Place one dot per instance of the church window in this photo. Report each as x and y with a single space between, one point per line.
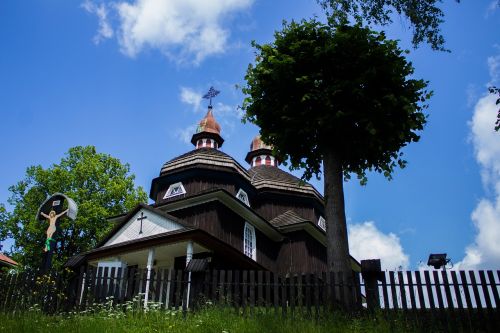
242 196
249 245
174 190
322 223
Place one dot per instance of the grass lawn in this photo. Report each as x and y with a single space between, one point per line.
211 319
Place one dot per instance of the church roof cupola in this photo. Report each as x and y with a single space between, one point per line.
208 131
260 154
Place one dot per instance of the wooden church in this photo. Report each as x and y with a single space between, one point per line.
210 208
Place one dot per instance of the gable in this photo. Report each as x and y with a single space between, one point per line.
152 224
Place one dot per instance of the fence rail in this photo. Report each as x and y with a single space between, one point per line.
248 290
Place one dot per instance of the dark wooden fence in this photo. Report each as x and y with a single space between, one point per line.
311 293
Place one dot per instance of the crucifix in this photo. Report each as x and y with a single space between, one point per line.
211 94
140 219
52 211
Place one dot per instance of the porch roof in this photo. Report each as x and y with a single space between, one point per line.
188 233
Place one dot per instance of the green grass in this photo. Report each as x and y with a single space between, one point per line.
210 319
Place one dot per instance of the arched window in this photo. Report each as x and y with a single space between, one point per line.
249 244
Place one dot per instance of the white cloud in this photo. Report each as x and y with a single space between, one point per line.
186 134
186 31
225 110
367 242
471 93
191 97
484 252
494 68
492 7
105 31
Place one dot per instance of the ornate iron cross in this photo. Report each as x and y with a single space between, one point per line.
211 94
140 219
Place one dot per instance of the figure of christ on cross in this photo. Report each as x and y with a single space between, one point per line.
140 219
52 219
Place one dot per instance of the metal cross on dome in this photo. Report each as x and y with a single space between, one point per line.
211 94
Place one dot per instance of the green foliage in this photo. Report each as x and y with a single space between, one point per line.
425 16
344 89
496 91
100 185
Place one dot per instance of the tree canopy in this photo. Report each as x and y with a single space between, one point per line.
342 96
424 16
100 185
345 89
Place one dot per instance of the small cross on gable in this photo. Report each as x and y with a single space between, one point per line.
142 217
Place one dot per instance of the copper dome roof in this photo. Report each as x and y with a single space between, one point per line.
257 143
208 124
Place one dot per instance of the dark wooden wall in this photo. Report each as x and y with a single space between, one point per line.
270 206
221 222
300 252
195 182
195 186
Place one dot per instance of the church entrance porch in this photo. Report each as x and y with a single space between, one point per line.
171 256
139 272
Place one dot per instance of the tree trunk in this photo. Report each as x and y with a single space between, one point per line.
338 258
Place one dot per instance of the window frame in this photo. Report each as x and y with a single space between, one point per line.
169 194
246 201
322 223
252 247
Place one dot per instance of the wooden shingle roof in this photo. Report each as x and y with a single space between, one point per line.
287 218
206 157
272 177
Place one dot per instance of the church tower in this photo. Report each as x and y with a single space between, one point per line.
260 154
208 132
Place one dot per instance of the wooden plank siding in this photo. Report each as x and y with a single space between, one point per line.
271 205
223 223
300 252
196 181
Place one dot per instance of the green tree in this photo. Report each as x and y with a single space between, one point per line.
339 96
496 91
424 16
100 185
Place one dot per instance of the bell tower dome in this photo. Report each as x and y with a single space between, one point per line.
260 154
208 132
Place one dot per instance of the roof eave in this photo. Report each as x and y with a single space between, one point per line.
229 201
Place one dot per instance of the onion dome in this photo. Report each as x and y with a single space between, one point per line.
208 132
260 154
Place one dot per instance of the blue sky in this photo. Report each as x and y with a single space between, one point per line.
126 76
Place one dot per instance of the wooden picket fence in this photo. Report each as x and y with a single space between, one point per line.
249 291
437 290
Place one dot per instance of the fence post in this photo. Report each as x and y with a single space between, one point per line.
371 271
